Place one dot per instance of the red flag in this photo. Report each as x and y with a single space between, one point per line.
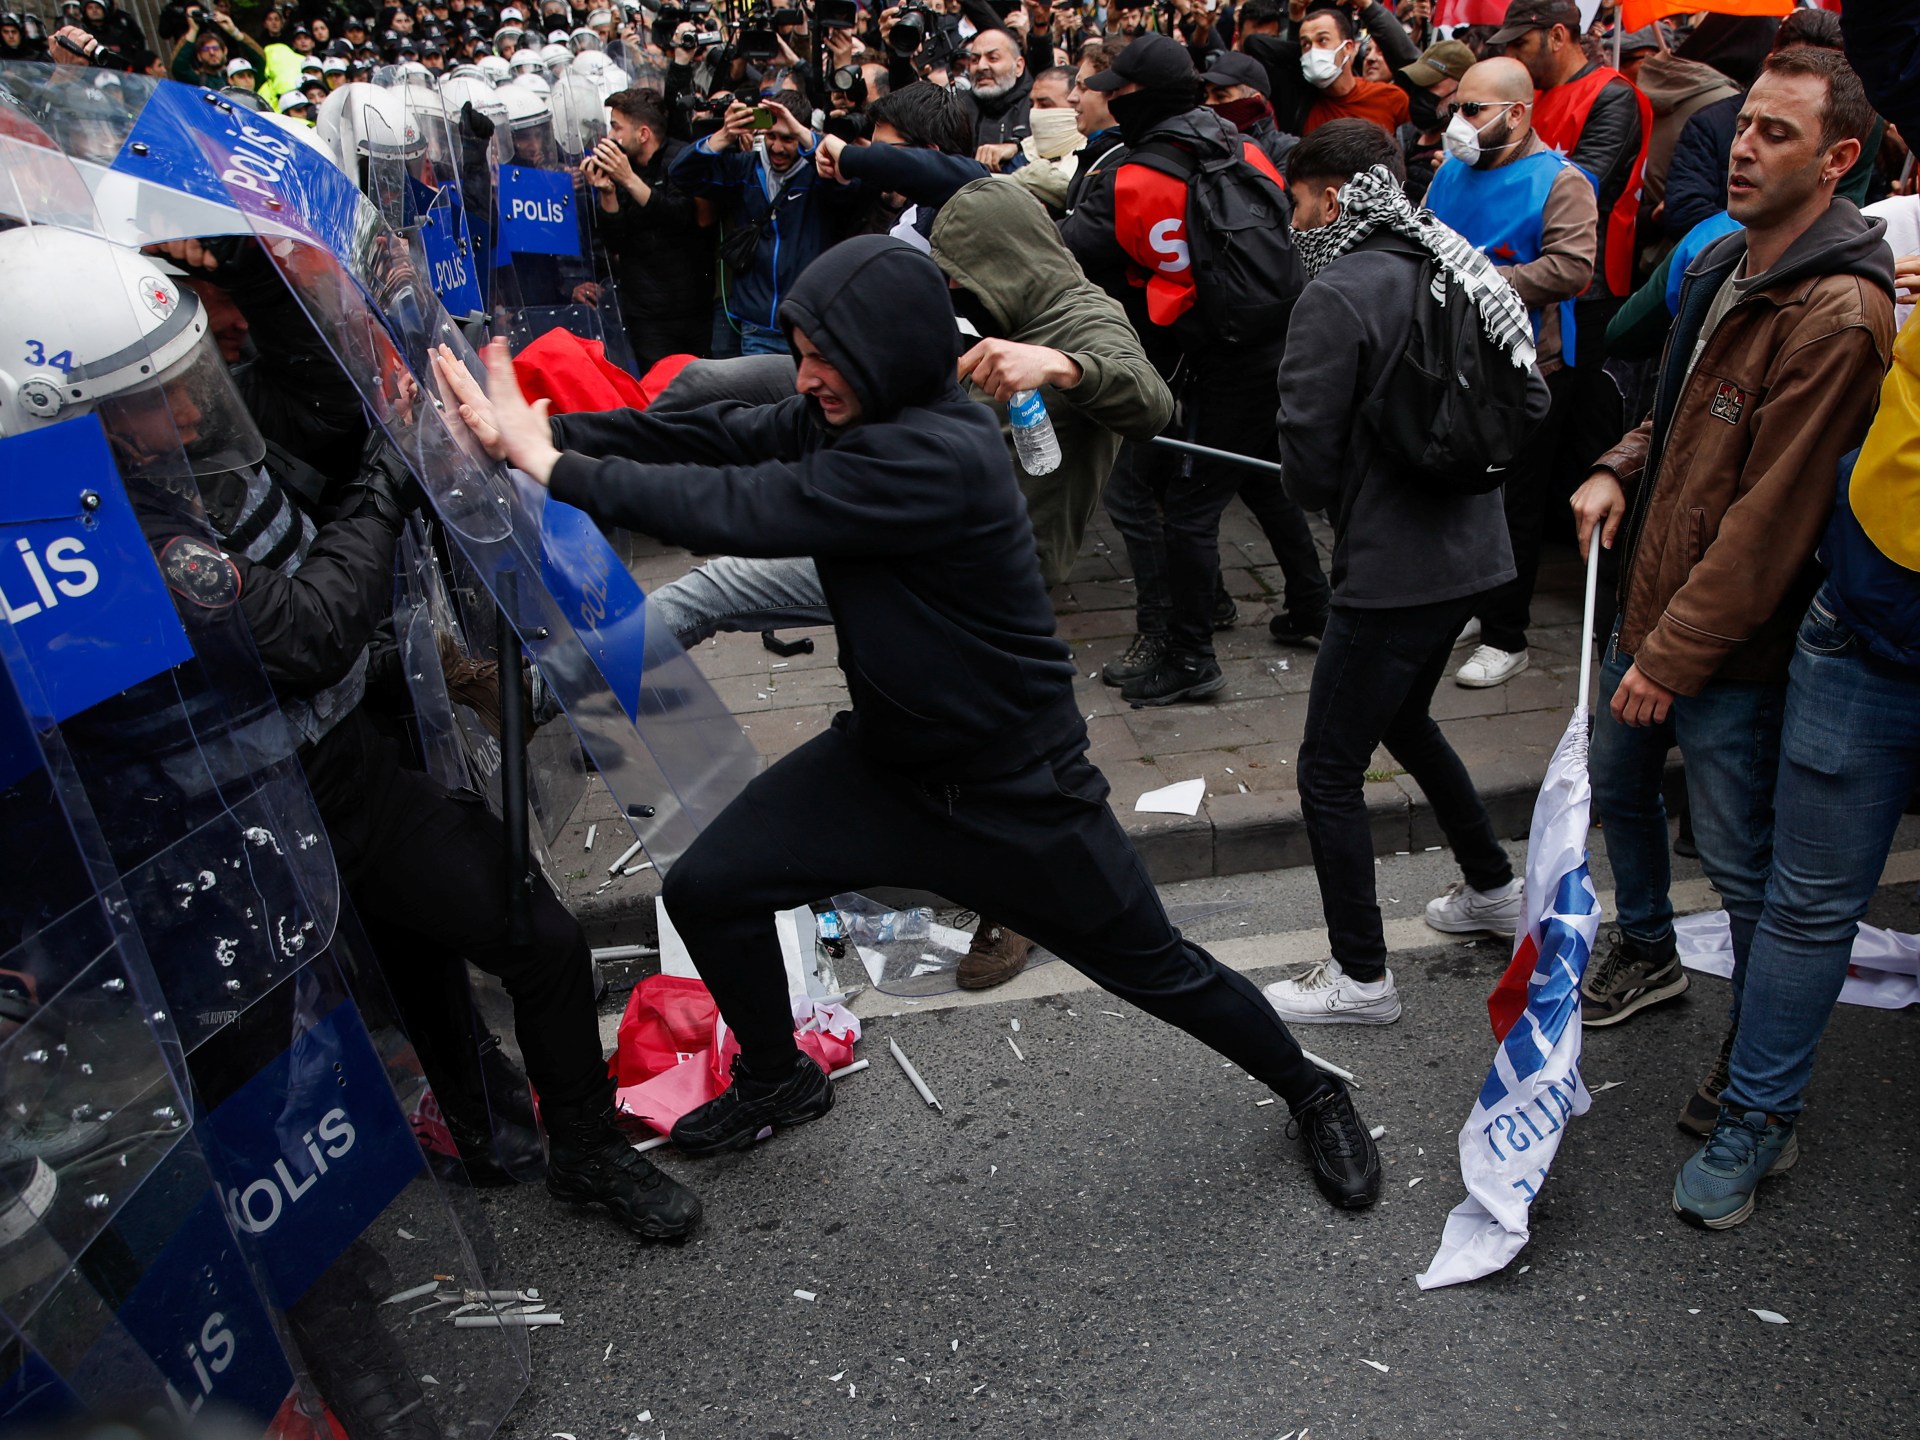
1469 12
1637 14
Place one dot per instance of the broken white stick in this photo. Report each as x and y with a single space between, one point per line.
1329 1067
590 830
625 855
636 869
414 1294
1376 1132
504 1322
854 1069
913 1075
1016 1050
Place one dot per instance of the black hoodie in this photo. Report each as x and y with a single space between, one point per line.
911 513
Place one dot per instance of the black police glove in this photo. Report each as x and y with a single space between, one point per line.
475 125
385 486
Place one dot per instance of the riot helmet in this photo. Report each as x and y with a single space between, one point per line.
531 121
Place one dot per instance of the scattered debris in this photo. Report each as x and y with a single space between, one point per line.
1694 1311
1375 1364
850 1390
636 869
609 1355
845 1070
590 830
1016 1049
1525 1268
1330 1067
1016 1026
1258 1103
978 1388
645 1415
805 1295
428 1380
836 1379
408 1235
1114 1013
1610 1085
414 1294
625 855
1376 1132
956 1344
1181 798
1415 1181
506 1322
1770 1317
912 1074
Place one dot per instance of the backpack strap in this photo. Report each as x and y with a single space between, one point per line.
1166 157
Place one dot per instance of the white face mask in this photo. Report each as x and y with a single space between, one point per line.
1055 132
1462 139
1321 67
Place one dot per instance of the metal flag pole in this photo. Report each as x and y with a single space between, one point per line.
1229 456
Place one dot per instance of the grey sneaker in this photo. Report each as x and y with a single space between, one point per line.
1143 655
1628 976
1715 1189
1464 910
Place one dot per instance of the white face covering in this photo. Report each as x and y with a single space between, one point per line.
1322 67
1055 132
1462 138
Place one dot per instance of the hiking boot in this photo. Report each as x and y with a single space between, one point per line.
1226 612
1701 1112
1300 632
1142 655
1327 995
590 1162
1464 910
1632 974
1714 1190
1174 679
733 1119
1489 666
995 957
1346 1165
496 1153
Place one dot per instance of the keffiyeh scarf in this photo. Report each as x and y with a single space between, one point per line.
1374 200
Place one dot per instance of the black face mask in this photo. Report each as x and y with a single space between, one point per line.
1138 113
1424 111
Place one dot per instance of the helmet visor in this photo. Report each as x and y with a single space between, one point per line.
190 420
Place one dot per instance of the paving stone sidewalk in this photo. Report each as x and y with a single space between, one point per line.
1243 742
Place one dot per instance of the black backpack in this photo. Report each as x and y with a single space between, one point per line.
1246 273
1455 411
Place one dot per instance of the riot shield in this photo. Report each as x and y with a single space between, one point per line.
132 651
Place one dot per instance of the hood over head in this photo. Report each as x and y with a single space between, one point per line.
879 311
996 242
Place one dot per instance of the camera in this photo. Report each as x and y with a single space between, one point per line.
910 28
704 104
835 14
788 16
756 40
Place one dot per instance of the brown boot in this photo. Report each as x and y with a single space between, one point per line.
996 956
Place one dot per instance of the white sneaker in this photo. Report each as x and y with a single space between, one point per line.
1464 910
1469 633
1487 667
1327 995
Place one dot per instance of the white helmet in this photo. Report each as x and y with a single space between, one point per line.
531 123
555 59
579 114
306 135
135 347
412 71
361 121
536 83
524 62
494 68
585 39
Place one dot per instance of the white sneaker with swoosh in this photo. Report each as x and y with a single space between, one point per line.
1327 995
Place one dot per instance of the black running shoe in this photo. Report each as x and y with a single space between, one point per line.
734 1118
1174 679
1299 632
1346 1165
1142 655
590 1162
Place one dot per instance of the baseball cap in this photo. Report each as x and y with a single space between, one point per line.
1634 41
295 100
1230 67
1448 60
334 66
237 67
1153 62
1525 15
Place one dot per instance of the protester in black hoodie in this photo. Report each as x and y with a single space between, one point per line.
962 766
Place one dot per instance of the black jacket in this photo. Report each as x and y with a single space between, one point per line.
912 514
1005 119
1095 157
662 259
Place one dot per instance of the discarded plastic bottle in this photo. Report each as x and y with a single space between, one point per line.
832 937
1033 437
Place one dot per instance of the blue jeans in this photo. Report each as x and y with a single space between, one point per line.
1849 757
1729 737
732 593
759 340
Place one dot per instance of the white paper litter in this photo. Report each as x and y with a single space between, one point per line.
1771 1317
646 1415
1693 1311
1016 1049
1415 1181
1610 1085
428 1380
1181 798
1016 1026
408 1235
1258 1103
1375 1364
956 1347
836 1379
609 1355
805 1295
1376 1132
562 1435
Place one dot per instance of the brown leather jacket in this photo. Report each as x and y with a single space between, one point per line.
1719 544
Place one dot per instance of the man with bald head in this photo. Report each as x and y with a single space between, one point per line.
1535 215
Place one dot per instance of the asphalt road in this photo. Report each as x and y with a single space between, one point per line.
1113 1239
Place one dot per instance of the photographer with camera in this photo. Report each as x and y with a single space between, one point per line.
776 213
700 62
662 256
211 40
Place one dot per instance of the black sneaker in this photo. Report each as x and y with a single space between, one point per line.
1301 632
1175 678
1701 1112
589 1162
1629 976
732 1119
1346 1164
1226 612
1142 655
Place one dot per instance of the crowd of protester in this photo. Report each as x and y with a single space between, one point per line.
1212 225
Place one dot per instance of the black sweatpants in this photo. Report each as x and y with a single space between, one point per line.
427 868
1037 850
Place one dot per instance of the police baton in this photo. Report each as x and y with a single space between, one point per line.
1189 448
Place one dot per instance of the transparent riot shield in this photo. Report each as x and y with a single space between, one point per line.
302 1081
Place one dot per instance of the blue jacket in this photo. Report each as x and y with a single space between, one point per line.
807 219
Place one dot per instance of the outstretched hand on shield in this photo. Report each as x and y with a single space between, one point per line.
507 427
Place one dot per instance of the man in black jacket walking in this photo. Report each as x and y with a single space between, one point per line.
899 487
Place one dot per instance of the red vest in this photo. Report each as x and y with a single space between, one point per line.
1559 115
1150 224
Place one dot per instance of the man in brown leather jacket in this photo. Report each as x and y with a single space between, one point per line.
1784 332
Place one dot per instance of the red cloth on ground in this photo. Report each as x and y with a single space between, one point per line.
575 375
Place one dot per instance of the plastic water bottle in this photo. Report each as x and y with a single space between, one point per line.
1033 438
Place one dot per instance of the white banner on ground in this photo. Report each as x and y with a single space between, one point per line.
1533 1088
1884 973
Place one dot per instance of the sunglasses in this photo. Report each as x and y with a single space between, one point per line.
1472 108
